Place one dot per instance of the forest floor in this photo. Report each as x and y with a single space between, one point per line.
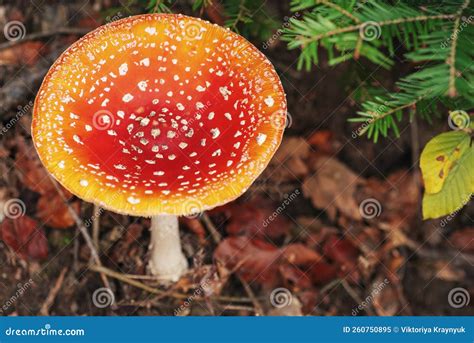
347 237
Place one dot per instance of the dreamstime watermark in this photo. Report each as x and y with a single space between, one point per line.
462 25
370 298
14 30
382 108
453 214
14 208
281 119
202 289
370 208
459 120
22 110
115 17
285 203
279 32
192 30
22 288
370 31
281 297
103 297
192 208
103 120
47 330
459 297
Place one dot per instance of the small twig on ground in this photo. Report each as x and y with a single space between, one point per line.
96 226
238 308
76 246
42 35
162 294
44 311
356 297
83 230
217 238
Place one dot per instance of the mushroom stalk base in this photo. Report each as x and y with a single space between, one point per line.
167 260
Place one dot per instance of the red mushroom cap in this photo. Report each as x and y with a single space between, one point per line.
159 114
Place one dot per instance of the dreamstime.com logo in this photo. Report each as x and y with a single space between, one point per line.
192 208
280 209
103 297
14 30
14 208
370 208
281 297
370 298
192 31
47 330
203 288
22 288
281 119
459 120
370 31
103 120
22 110
459 297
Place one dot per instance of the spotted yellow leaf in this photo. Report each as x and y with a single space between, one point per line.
440 156
447 164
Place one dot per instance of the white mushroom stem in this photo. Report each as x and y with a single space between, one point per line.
167 260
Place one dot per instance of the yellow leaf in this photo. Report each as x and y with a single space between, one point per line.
440 156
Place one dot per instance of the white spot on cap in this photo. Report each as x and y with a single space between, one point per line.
142 85
151 30
127 97
133 200
84 183
224 92
145 62
261 137
269 101
215 133
123 69
77 139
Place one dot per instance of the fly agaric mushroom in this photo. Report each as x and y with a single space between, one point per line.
159 115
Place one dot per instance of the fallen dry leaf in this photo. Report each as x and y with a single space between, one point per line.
324 142
345 254
289 162
25 237
463 239
52 211
32 172
257 260
332 188
26 53
255 218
